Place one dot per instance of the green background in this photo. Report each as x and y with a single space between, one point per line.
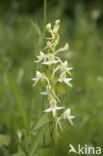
82 28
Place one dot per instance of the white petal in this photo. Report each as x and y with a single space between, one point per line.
67 79
48 110
54 62
46 62
40 57
38 74
60 80
42 54
69 68
50 62
71 117
35 79
67 111
44 93
58 108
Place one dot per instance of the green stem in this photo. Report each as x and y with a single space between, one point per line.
44 20
55 131
43 107
54 135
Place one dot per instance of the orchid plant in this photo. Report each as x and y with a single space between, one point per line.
56 72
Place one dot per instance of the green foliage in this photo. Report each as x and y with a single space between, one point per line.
42 121
4 140
13 86
36 140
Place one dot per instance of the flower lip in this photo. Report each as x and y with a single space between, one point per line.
64 79
38 77
66 115
65 48
53 109
53 106
51 60
38 74
41 57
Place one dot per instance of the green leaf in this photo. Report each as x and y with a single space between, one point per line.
4 140
18 154
14 87
42 121
36 139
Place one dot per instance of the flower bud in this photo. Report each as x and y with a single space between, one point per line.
41 54
48 44
38 74
66 47
48 27
57 22
63 75
19 134
65 64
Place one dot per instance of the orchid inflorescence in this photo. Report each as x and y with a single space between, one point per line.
56 72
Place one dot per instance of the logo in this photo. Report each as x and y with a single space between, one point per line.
86 149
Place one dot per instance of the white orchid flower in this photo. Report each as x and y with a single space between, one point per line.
57 22
48 87
63 67
51 60
44 93
65 48
52 94
38 77
41 57
53 107
66 115
64 79
49 45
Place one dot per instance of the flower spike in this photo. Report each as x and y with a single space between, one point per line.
55 71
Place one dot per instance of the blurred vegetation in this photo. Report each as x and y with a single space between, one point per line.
81 26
